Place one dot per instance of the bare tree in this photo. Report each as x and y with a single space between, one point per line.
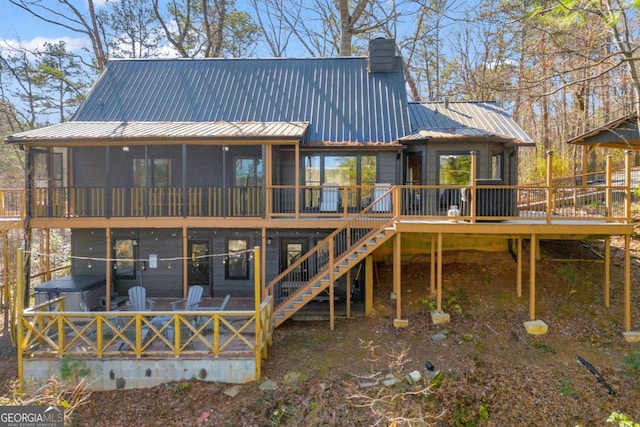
65 14
136 32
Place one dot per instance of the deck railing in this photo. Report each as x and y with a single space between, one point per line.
11 203
427 201
563 199
48 330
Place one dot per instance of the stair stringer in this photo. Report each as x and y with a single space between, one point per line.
322 280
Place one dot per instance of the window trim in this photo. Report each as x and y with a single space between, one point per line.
244 254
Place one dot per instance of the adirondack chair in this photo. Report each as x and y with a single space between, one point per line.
221 307
194 297
138 300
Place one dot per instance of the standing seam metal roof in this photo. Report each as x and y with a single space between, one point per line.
338 97
463 119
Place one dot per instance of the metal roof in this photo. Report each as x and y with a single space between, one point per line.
82 131
449 120
340 100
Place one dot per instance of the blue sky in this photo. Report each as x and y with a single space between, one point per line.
18 25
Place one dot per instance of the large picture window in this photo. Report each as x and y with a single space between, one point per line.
454 169
237 261
342 171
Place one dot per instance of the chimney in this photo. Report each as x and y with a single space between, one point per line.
382 56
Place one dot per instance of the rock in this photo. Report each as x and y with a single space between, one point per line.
438 337
268 386
390 382
367 382
233 391
292 377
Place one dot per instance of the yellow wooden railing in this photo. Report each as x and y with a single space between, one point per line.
47 330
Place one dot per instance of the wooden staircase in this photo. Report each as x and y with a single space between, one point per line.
316 271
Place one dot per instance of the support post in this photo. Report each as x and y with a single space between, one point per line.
398 322
185 262
439 276
432 278
532 277
368 285
397 273
627 283
257 276
550 190
472 181
20 290
607 272
608 203
108 270
627 183
349 294
331 282
519 267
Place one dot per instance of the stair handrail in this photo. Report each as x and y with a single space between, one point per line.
386 217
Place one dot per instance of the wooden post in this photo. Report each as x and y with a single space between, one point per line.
519 268
627 183
331 281
19 308
473 175
297 180
607 271
397 273
439 275
549 186
627 283
349 294
432 277
532 277
263 272
108 270
185 262
368 285
609 182
257 299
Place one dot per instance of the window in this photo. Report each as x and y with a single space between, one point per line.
124 254
237 261
248 172
155 173
496 166
349 170
454 169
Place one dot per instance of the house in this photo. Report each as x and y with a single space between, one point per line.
173 170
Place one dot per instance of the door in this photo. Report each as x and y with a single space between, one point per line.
199 266
413 176
290 251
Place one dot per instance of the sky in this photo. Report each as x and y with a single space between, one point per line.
16 25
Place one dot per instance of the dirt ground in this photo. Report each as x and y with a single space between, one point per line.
491 371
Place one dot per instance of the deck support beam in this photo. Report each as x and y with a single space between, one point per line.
397 280
519 267
432 277
368 285
185 261
108 269
627 283
532 277
607 271
439 275
349 294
